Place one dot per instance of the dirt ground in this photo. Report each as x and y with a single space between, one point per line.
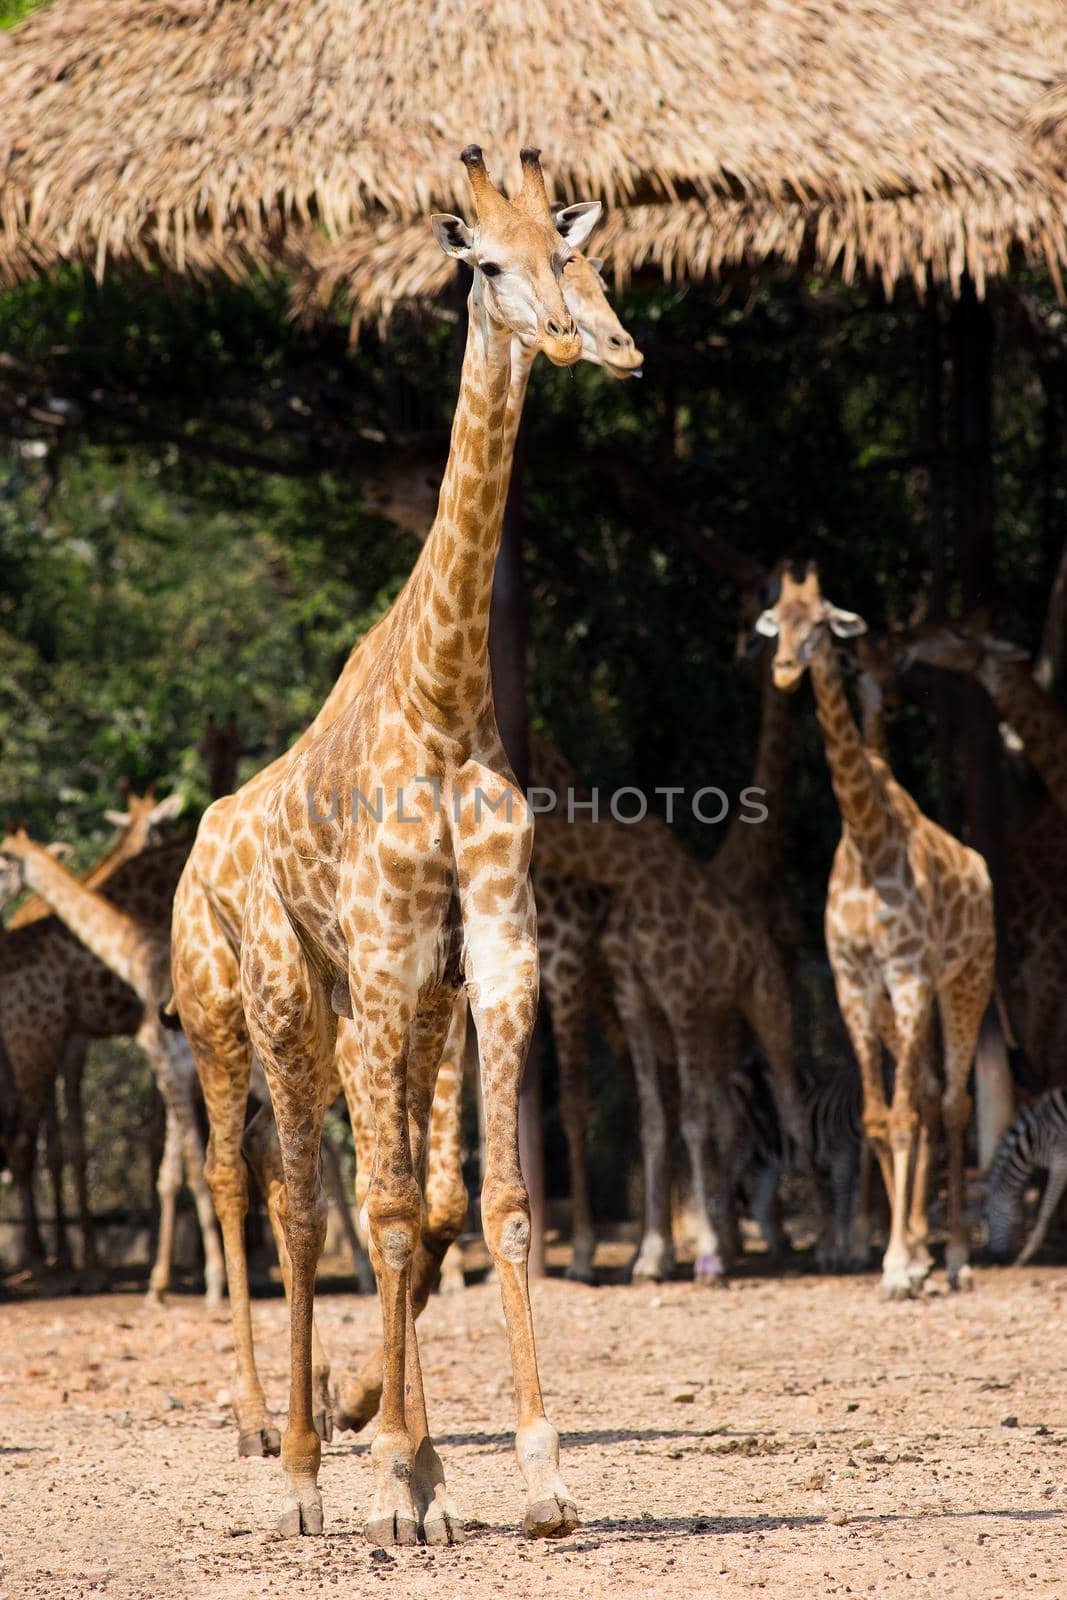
789 1434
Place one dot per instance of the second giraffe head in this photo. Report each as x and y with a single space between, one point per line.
802 620
518 250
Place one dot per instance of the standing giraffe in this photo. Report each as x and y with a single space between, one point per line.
33 950
909 922
208 913
1032 890
381 914
140 956
688 965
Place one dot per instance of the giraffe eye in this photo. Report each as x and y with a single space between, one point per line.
490 269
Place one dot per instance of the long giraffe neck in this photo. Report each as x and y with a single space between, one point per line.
347 684
443 617
1038 720
751 853
114 937
37 907
859 794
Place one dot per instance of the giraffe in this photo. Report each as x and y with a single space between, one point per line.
141 826
424 710
688 965
209 908
140 956
384 926
909 922
1032 890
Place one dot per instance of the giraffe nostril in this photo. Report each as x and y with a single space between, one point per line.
555 328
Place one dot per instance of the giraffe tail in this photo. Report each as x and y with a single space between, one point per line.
1005 1020
168 1016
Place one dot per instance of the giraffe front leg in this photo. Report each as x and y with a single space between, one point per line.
655 1255
503 988
911 1016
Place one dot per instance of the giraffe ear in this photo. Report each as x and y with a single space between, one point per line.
846 624
453 235
118 819
60 850
767 624
576 223
167 809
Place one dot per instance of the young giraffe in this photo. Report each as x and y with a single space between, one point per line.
32 956
208 912
140 956
909 921
382 914
687 966
1032 891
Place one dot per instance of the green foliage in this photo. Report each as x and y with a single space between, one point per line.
12 11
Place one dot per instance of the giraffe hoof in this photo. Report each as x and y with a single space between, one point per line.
301 1515
155 1297
708 1269
442 1524
392 1527
260 1442
652 1269
323 1424
580 1272
961 1279
550 1518
452 1282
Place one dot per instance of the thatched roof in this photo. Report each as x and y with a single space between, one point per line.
207 133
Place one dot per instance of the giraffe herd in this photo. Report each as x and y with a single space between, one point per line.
338 918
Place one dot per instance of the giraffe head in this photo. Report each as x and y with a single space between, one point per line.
141 824
605 342
803 620
14 847
967 646
518 251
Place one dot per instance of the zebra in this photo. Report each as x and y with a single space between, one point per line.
833 1107
1036 1140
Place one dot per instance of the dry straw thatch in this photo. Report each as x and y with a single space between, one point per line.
884 135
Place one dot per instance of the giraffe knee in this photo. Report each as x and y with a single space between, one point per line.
506 1220
394 1214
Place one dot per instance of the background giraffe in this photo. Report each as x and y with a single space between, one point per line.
909 923
54 996
688 966
140 956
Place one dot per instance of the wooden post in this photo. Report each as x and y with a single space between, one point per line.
507 654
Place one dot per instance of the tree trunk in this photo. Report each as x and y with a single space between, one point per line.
971 327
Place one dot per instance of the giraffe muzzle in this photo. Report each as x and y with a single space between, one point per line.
560 340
